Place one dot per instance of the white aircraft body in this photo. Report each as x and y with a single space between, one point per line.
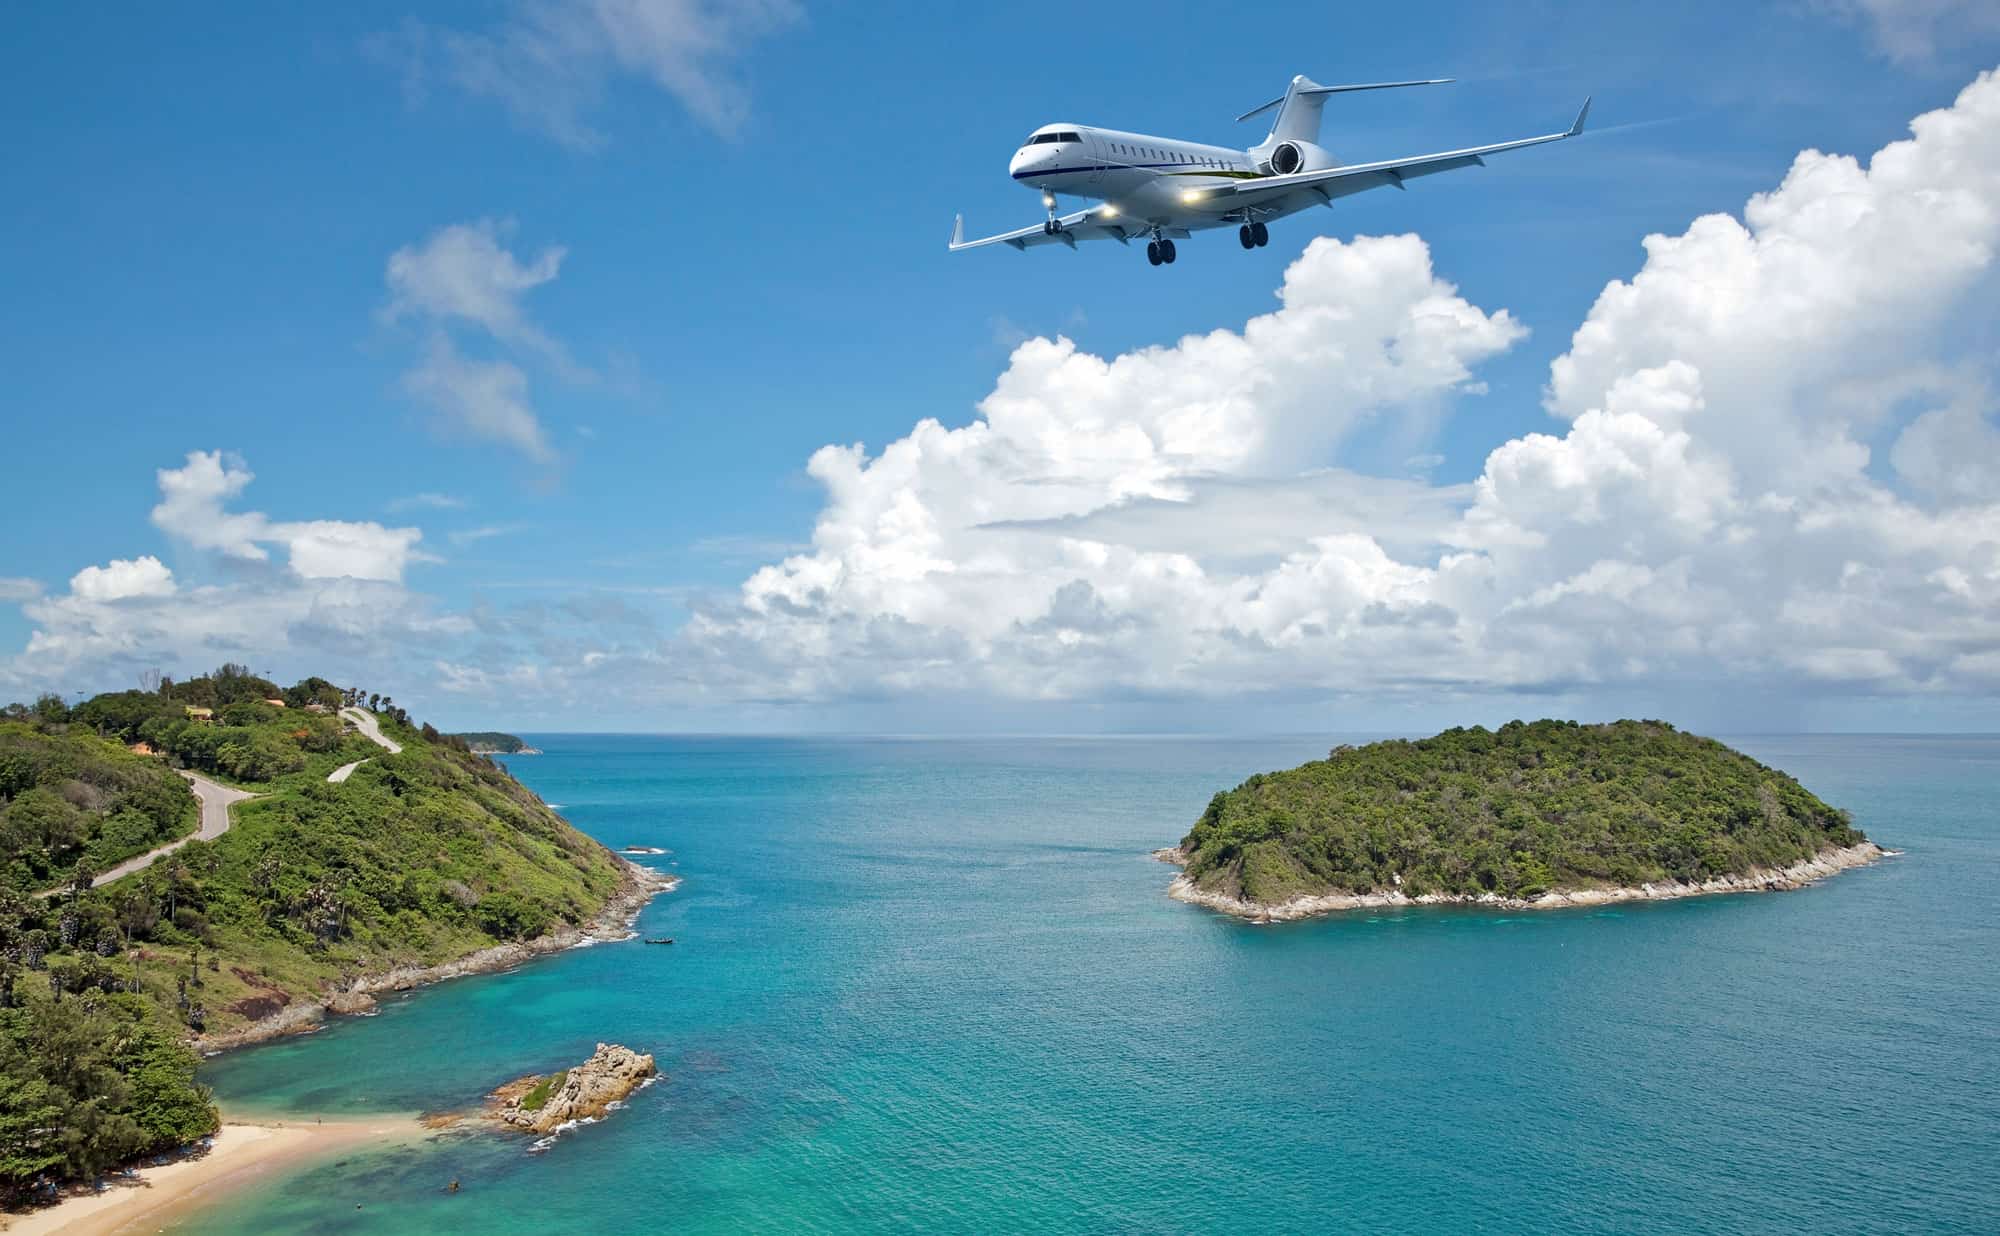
1165 190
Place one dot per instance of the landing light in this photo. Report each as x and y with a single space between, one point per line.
1191 196
1108 211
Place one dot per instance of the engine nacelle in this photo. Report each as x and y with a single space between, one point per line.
1291 156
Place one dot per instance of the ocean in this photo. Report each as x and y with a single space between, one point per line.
936 985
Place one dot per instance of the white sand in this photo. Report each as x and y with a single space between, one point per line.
242 1152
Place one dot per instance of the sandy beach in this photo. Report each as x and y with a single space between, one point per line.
243 1151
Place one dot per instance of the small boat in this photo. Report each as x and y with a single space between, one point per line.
663 940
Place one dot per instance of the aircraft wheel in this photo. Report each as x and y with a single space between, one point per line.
1048 227
1153 257
1244 236
1260 234
1167 252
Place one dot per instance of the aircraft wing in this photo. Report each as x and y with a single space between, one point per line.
1091 224
1343 181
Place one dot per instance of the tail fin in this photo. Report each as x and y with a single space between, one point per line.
1299 115
1300 106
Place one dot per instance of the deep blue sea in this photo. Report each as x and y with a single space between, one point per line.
936 985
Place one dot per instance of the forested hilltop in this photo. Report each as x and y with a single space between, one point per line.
493 742
415 858
1521 812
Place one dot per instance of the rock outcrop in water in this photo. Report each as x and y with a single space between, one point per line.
541 1103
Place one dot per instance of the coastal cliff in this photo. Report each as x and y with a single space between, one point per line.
1531 816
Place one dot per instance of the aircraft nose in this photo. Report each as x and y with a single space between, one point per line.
1018 164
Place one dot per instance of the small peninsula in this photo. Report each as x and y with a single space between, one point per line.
207 863
493 742
1532 815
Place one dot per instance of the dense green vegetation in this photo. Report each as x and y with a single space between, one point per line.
538 1097
1520 811
417 858
76 803
493 742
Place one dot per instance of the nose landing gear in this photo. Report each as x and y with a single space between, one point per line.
1253 235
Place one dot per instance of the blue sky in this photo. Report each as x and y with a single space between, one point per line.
724 228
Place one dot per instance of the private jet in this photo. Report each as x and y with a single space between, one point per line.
1165 190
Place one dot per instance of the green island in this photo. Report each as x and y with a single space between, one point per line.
347 869
1540 814
493 742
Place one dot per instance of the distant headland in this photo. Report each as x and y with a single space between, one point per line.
493 742
1530 816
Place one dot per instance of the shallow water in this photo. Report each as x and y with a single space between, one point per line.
936 985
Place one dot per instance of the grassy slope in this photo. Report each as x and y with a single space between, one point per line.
1520 811
417 858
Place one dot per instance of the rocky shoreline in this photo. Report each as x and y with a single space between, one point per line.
1827 862
613 922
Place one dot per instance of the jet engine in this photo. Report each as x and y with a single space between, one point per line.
1288 157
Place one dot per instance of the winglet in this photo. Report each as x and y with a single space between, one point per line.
1581 116
957 231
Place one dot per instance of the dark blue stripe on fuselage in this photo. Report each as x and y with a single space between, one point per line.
1106 167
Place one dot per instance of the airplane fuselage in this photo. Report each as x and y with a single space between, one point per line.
1140 176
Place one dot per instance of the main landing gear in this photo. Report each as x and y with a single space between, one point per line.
1253 235
1160 251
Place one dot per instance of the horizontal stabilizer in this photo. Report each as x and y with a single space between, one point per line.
1261 109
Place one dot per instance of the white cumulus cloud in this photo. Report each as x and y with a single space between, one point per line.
121 578
192 509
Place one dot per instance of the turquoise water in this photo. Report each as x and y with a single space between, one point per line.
936 985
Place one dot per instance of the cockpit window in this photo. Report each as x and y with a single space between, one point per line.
1043 138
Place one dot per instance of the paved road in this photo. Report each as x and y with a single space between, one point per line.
216 800
370 729
365 722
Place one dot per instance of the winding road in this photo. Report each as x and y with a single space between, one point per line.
216 800
364 721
